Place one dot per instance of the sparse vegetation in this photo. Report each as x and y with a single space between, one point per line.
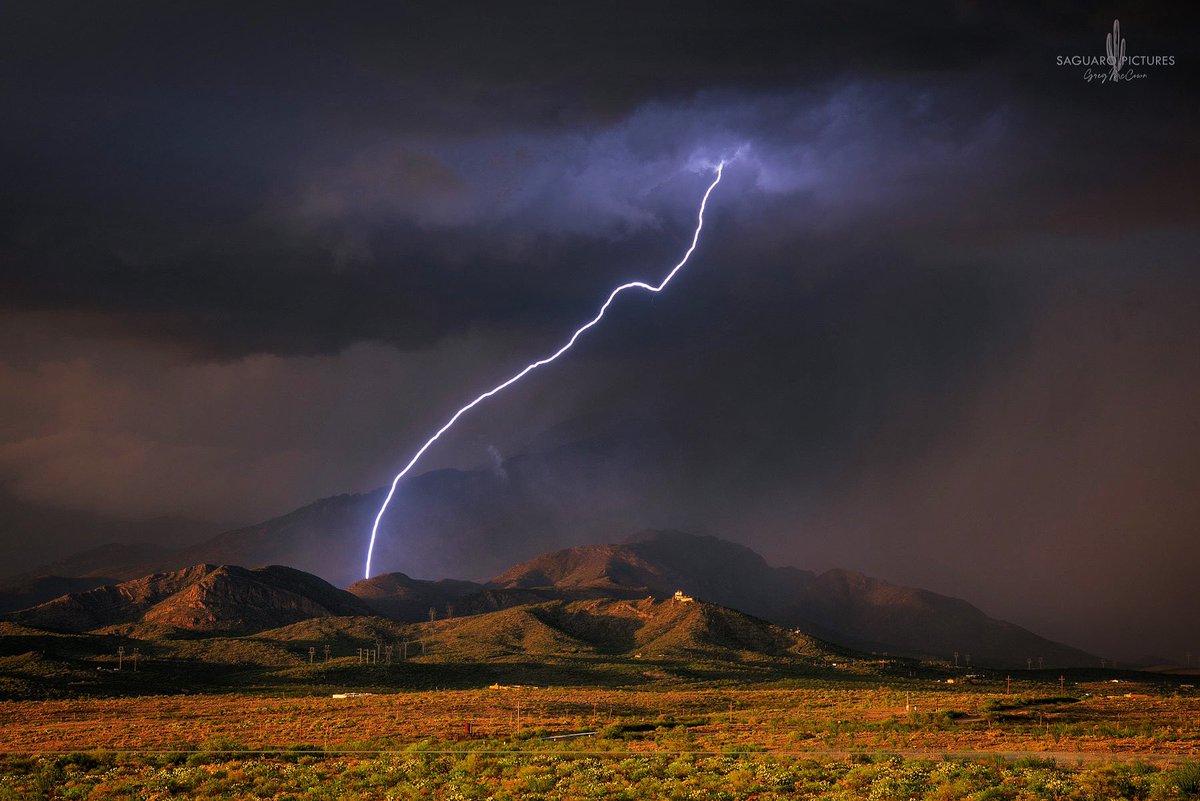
251 718
472 774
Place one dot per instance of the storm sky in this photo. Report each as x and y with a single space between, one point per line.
942 326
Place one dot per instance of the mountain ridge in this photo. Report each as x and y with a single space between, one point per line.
477 518
467 523
840 605
201 599
837 605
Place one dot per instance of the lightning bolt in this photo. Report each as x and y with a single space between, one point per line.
543 362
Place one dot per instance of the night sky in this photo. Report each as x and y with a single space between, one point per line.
942 327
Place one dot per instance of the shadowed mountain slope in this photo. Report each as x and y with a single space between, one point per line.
838 605
27 592
397 596
647 627
201 599
463 523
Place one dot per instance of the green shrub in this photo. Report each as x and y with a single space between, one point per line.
1187 778
47 778
294 753
612 731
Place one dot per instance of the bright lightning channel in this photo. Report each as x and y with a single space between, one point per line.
542 362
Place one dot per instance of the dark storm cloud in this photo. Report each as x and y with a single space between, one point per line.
233 180
413 239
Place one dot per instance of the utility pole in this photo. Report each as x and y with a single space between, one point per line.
404 650
120 656
1008 685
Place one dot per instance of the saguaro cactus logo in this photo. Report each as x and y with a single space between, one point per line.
1116 66
1115 44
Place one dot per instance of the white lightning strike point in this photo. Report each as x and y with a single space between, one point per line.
542 362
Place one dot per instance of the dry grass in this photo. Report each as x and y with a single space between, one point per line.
831 719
